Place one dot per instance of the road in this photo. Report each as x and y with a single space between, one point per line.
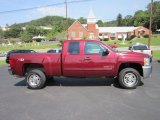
79 99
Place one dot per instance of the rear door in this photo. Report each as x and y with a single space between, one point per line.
72 59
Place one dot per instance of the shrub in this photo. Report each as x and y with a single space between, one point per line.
139 36
146 36
130 42
85 37
60 42
131 37
112 38
100 39
105 39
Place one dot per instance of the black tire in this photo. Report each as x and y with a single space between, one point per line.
131 81
36 79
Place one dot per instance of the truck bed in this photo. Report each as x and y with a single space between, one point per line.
51 63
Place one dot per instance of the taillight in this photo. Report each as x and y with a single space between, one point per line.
11 63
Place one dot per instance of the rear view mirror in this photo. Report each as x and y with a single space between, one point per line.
105 53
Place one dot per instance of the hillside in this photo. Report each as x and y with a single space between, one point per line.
58 20
47 21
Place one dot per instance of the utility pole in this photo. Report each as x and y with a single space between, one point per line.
66 19
150 24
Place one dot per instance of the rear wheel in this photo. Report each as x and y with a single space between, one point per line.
35 79
129 78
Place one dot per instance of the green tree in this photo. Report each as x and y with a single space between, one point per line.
110 23
100 23
82 20
119 20
13 32
25 36
52 33
32 30
128 20
140 18
156 15
1 34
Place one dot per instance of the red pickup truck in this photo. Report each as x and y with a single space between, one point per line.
82 58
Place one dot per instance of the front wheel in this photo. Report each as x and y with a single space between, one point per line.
129 78
35 79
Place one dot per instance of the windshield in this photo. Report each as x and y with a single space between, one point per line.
112 49
140 47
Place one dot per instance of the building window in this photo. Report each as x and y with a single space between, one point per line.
73 34
80 34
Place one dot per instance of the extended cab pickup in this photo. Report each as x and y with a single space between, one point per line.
82 58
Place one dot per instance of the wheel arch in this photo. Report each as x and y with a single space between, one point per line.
135 66
30 66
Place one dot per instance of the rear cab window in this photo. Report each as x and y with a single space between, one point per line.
74 48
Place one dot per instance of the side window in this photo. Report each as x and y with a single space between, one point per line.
93 48
74 48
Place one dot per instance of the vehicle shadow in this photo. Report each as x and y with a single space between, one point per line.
21 83
84 82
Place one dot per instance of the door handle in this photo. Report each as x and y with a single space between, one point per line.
87 58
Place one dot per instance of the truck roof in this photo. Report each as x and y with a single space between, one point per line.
79 40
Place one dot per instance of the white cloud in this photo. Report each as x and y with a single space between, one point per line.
44 11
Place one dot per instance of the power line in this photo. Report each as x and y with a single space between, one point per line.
32 8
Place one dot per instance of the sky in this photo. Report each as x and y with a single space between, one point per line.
105 10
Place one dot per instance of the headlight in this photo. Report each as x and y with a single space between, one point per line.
146 61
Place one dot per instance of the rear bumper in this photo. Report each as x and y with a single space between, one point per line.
10 71
147 70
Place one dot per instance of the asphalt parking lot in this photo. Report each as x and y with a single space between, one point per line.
79 99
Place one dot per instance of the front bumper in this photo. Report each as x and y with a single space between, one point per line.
147 70
10 71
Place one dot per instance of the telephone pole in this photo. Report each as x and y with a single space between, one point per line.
66 18
150 24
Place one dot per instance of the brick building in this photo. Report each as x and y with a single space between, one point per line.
91 30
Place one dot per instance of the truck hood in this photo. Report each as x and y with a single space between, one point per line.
132 54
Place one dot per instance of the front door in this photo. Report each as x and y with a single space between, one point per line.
94 64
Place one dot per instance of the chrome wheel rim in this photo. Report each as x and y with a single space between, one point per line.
130 79
34 80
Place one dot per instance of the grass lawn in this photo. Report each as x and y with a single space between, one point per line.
28 46
2 62
156 54
155 41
